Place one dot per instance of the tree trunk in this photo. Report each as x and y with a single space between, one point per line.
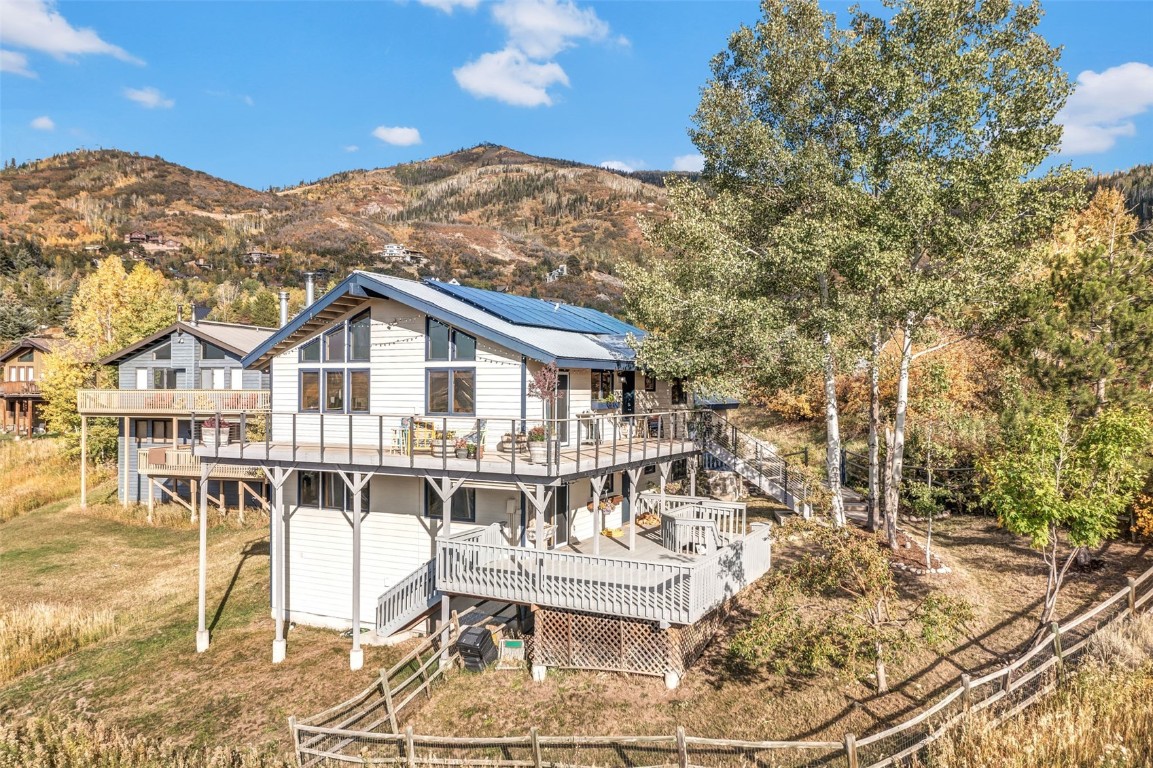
896 446
874 433
833 432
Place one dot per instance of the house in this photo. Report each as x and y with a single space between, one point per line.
405 475
255 257
398 253
22 367
165 381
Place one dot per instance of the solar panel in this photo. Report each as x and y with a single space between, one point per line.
537 313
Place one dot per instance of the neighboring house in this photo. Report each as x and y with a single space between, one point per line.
376 385
22 367
186 368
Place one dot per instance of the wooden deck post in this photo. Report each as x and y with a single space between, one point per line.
127 457
83 462
151 497
598 485
276 478
634 476
355 485
202 581
444 488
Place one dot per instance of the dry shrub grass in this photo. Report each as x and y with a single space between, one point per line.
1102 717
36 473
176 517
33 635
59 743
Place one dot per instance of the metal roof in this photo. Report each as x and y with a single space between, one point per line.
237 339
523 310
565 347
45 344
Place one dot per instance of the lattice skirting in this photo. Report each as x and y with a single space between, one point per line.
573 640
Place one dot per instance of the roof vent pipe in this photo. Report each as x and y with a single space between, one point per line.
194 320
283 308
309 289
179 313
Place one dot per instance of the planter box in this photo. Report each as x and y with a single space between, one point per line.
208 437
605 406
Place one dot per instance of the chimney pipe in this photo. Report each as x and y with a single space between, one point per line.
283 308
194 320
179 313
309 289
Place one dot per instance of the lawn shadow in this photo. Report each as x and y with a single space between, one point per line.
254 548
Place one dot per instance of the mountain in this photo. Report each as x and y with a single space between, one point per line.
488 215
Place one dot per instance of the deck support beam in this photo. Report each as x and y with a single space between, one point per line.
633 477
598 486
277 476
202 581
539 497
445 487
127 450
83 462
355 485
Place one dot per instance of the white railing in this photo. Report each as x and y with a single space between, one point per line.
676 593
728 516
171 401
181 462
407 599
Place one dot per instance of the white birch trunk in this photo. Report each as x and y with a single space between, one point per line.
897 444
874 433
833 430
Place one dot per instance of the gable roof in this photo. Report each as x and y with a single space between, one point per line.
542 330
237 339
41 343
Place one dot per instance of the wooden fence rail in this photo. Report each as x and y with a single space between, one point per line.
339 736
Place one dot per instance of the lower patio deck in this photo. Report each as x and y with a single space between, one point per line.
649 582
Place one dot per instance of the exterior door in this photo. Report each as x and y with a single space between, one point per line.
562 407
561 514
628 393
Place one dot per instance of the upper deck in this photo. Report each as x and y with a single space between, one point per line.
170 402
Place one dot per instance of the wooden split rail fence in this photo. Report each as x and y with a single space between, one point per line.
366 729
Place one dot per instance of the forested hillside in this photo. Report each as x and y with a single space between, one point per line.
1137 186
487 215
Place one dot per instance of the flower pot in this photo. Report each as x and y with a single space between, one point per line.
208 437
439 449
462 453
538 451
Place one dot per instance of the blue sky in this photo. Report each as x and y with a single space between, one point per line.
272 92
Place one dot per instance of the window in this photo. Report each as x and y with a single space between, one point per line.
650 383
452 391
327 490
602 385
163 378
334 391
161 429
610 484
163 352
358 391
359 338
677 392
447 343
334 345
463 504
310 352
26 357
212 352
310 390
140 428
212 378
236 378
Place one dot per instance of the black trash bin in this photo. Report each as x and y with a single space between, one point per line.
477 650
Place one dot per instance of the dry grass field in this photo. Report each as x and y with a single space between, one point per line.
117 671
35 473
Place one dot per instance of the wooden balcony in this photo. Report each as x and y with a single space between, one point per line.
649 583
181 462
497 448
19 389
170 402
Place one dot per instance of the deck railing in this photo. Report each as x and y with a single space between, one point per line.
171 401
407 599
729 516
24 388
586 441
181 462
676 593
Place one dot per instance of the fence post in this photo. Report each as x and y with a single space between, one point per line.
1132 596
966 692
851 750
409 747
295 738
682 748
534 742
1055 628
1007 681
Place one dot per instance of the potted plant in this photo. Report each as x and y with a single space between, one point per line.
215 431
475 450
538 445
606 403
461 446
443 443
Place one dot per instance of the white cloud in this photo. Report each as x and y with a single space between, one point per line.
149 98
1098 112
537 30
38 26
544 28
510 77
693 163
448 6
351 148
43 123
397 136
248 100
15 63
617 165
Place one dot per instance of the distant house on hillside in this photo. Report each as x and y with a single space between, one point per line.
152 242
256 257
21 368
396 252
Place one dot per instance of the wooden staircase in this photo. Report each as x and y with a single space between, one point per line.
757 463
